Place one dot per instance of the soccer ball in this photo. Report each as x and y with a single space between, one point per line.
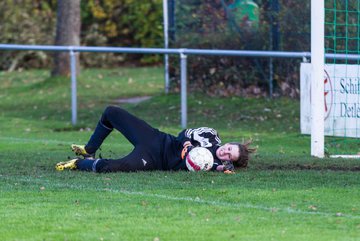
199 159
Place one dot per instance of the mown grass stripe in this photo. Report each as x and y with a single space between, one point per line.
29 140
173 198
41 140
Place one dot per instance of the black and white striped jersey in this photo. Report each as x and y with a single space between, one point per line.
204 137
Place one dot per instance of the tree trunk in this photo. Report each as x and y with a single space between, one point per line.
67 33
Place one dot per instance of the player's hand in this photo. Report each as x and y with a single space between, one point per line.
187 148
220 168
228 166
187 143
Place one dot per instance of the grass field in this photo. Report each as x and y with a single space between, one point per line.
284 194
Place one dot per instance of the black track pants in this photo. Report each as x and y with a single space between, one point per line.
148 142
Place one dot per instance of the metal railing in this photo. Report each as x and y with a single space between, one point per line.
182 52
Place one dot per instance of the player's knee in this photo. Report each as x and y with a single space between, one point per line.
109 110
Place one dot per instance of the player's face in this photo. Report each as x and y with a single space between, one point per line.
228 152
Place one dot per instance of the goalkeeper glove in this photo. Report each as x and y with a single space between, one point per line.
185 151
228 166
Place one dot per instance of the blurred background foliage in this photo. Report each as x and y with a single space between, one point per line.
280 25
125 23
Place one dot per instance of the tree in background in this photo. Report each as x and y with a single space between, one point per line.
67 33
125 23
26 22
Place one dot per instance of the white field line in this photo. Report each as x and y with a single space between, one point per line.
166 197
187 199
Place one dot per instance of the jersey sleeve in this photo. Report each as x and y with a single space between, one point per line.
182 137
203 136
215 165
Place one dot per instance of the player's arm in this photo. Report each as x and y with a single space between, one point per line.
220 167
183 137
205 136
217 166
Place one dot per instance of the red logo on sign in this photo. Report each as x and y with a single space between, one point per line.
328 95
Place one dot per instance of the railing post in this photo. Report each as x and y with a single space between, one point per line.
166 45
271 74
73 87
183 61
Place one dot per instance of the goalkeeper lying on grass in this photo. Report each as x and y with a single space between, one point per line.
154 150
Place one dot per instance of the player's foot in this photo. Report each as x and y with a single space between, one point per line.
79 150
71 165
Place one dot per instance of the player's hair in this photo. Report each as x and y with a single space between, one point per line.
244 153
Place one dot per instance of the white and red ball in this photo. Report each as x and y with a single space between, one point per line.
199 159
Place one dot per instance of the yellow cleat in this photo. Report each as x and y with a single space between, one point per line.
79 150
71 165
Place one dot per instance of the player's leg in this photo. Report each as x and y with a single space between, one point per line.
76 164
137 160
97 138
71 165
134 129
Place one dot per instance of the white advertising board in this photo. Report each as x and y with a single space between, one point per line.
341 99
